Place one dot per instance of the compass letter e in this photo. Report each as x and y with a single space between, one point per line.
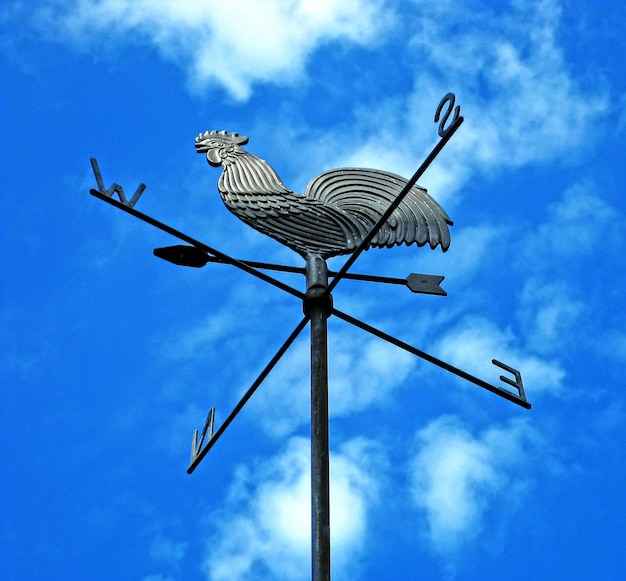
517 383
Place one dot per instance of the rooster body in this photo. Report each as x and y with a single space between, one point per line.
337 211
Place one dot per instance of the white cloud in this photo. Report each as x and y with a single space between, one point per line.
264 532
202 339
575 227
284 405
457 477
234 44
476 341
559 303
521 99
363 372
473 245
167 550
550 314
521 102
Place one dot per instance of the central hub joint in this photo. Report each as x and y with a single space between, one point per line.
317 295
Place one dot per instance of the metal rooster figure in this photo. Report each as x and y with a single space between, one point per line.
339 208
342 212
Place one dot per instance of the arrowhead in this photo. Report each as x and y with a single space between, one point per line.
182 255
425 284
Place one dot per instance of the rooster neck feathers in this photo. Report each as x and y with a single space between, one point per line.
243 173
337 211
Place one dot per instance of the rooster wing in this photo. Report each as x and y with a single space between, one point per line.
306 225
366 194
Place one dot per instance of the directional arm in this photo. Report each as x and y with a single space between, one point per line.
104 196
518 398
197 451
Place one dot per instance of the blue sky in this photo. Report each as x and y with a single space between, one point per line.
111 357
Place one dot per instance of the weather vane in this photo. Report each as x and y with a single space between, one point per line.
342 212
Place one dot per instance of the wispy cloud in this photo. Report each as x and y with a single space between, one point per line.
457 477
554 257
473 245
214 42
521 101
264 531
525 105
576 226
520 98
165 549
473 343
363 372
550 313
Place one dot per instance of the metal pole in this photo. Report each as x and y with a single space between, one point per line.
318 306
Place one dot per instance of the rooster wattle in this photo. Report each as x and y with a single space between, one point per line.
337 210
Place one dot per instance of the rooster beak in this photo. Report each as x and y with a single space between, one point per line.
201 147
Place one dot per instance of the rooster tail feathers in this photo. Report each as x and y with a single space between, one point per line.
366 194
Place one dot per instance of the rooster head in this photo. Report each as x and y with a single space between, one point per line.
218 145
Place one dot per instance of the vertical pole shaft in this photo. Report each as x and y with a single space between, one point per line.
317 307
320 503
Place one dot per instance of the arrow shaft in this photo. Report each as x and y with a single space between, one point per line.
300 270
417 283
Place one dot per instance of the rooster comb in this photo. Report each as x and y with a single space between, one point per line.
224 136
